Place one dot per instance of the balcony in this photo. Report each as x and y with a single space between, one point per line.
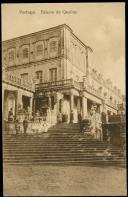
62 84
70 83
94 91
111 104
18 82
99 94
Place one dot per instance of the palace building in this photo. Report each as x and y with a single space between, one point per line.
49 72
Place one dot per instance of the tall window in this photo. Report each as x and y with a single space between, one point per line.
39 49
25 53
24 76
53 74
39 76
53 46
11 56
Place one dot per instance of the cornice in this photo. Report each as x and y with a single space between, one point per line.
48 30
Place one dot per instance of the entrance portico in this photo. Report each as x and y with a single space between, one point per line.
12 98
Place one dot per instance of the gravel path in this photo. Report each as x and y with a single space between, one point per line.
64 180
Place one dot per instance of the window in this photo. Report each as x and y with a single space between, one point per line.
39 49
53 46
25 53
24 77
39 76
53 74
11 56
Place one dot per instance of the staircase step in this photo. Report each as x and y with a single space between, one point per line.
61 145
121 164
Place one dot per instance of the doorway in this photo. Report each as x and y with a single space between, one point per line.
26 102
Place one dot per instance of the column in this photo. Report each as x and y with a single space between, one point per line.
101 108
57 103
19 98
84 107
71 108
16 103
78 105
31 102
34 103
71 102
49 115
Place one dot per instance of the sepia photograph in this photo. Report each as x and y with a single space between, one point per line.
63 99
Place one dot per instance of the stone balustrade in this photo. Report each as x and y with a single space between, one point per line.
16 81
110 103
100 95
68 83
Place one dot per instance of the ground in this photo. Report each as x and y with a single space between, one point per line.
64 180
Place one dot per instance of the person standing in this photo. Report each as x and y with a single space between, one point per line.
80 121
25 125
59 118
10 115
17 126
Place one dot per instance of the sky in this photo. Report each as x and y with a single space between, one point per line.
99 25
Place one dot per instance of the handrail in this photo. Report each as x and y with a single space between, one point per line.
54 83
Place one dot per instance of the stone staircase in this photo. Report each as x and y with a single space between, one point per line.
62 145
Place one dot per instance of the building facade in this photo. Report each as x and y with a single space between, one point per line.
49 72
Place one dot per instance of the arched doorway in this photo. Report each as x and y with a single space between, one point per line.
9 102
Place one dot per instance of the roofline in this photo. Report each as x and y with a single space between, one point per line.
31 34
43 31
86 46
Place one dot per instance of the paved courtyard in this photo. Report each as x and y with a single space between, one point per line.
64 180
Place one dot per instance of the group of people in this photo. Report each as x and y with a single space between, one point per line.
28 124
37 126
92 125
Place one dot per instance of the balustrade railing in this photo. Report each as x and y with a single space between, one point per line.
99 94
71 83
93 91
51 84
17 81
108 102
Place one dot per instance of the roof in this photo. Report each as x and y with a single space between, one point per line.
44 31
